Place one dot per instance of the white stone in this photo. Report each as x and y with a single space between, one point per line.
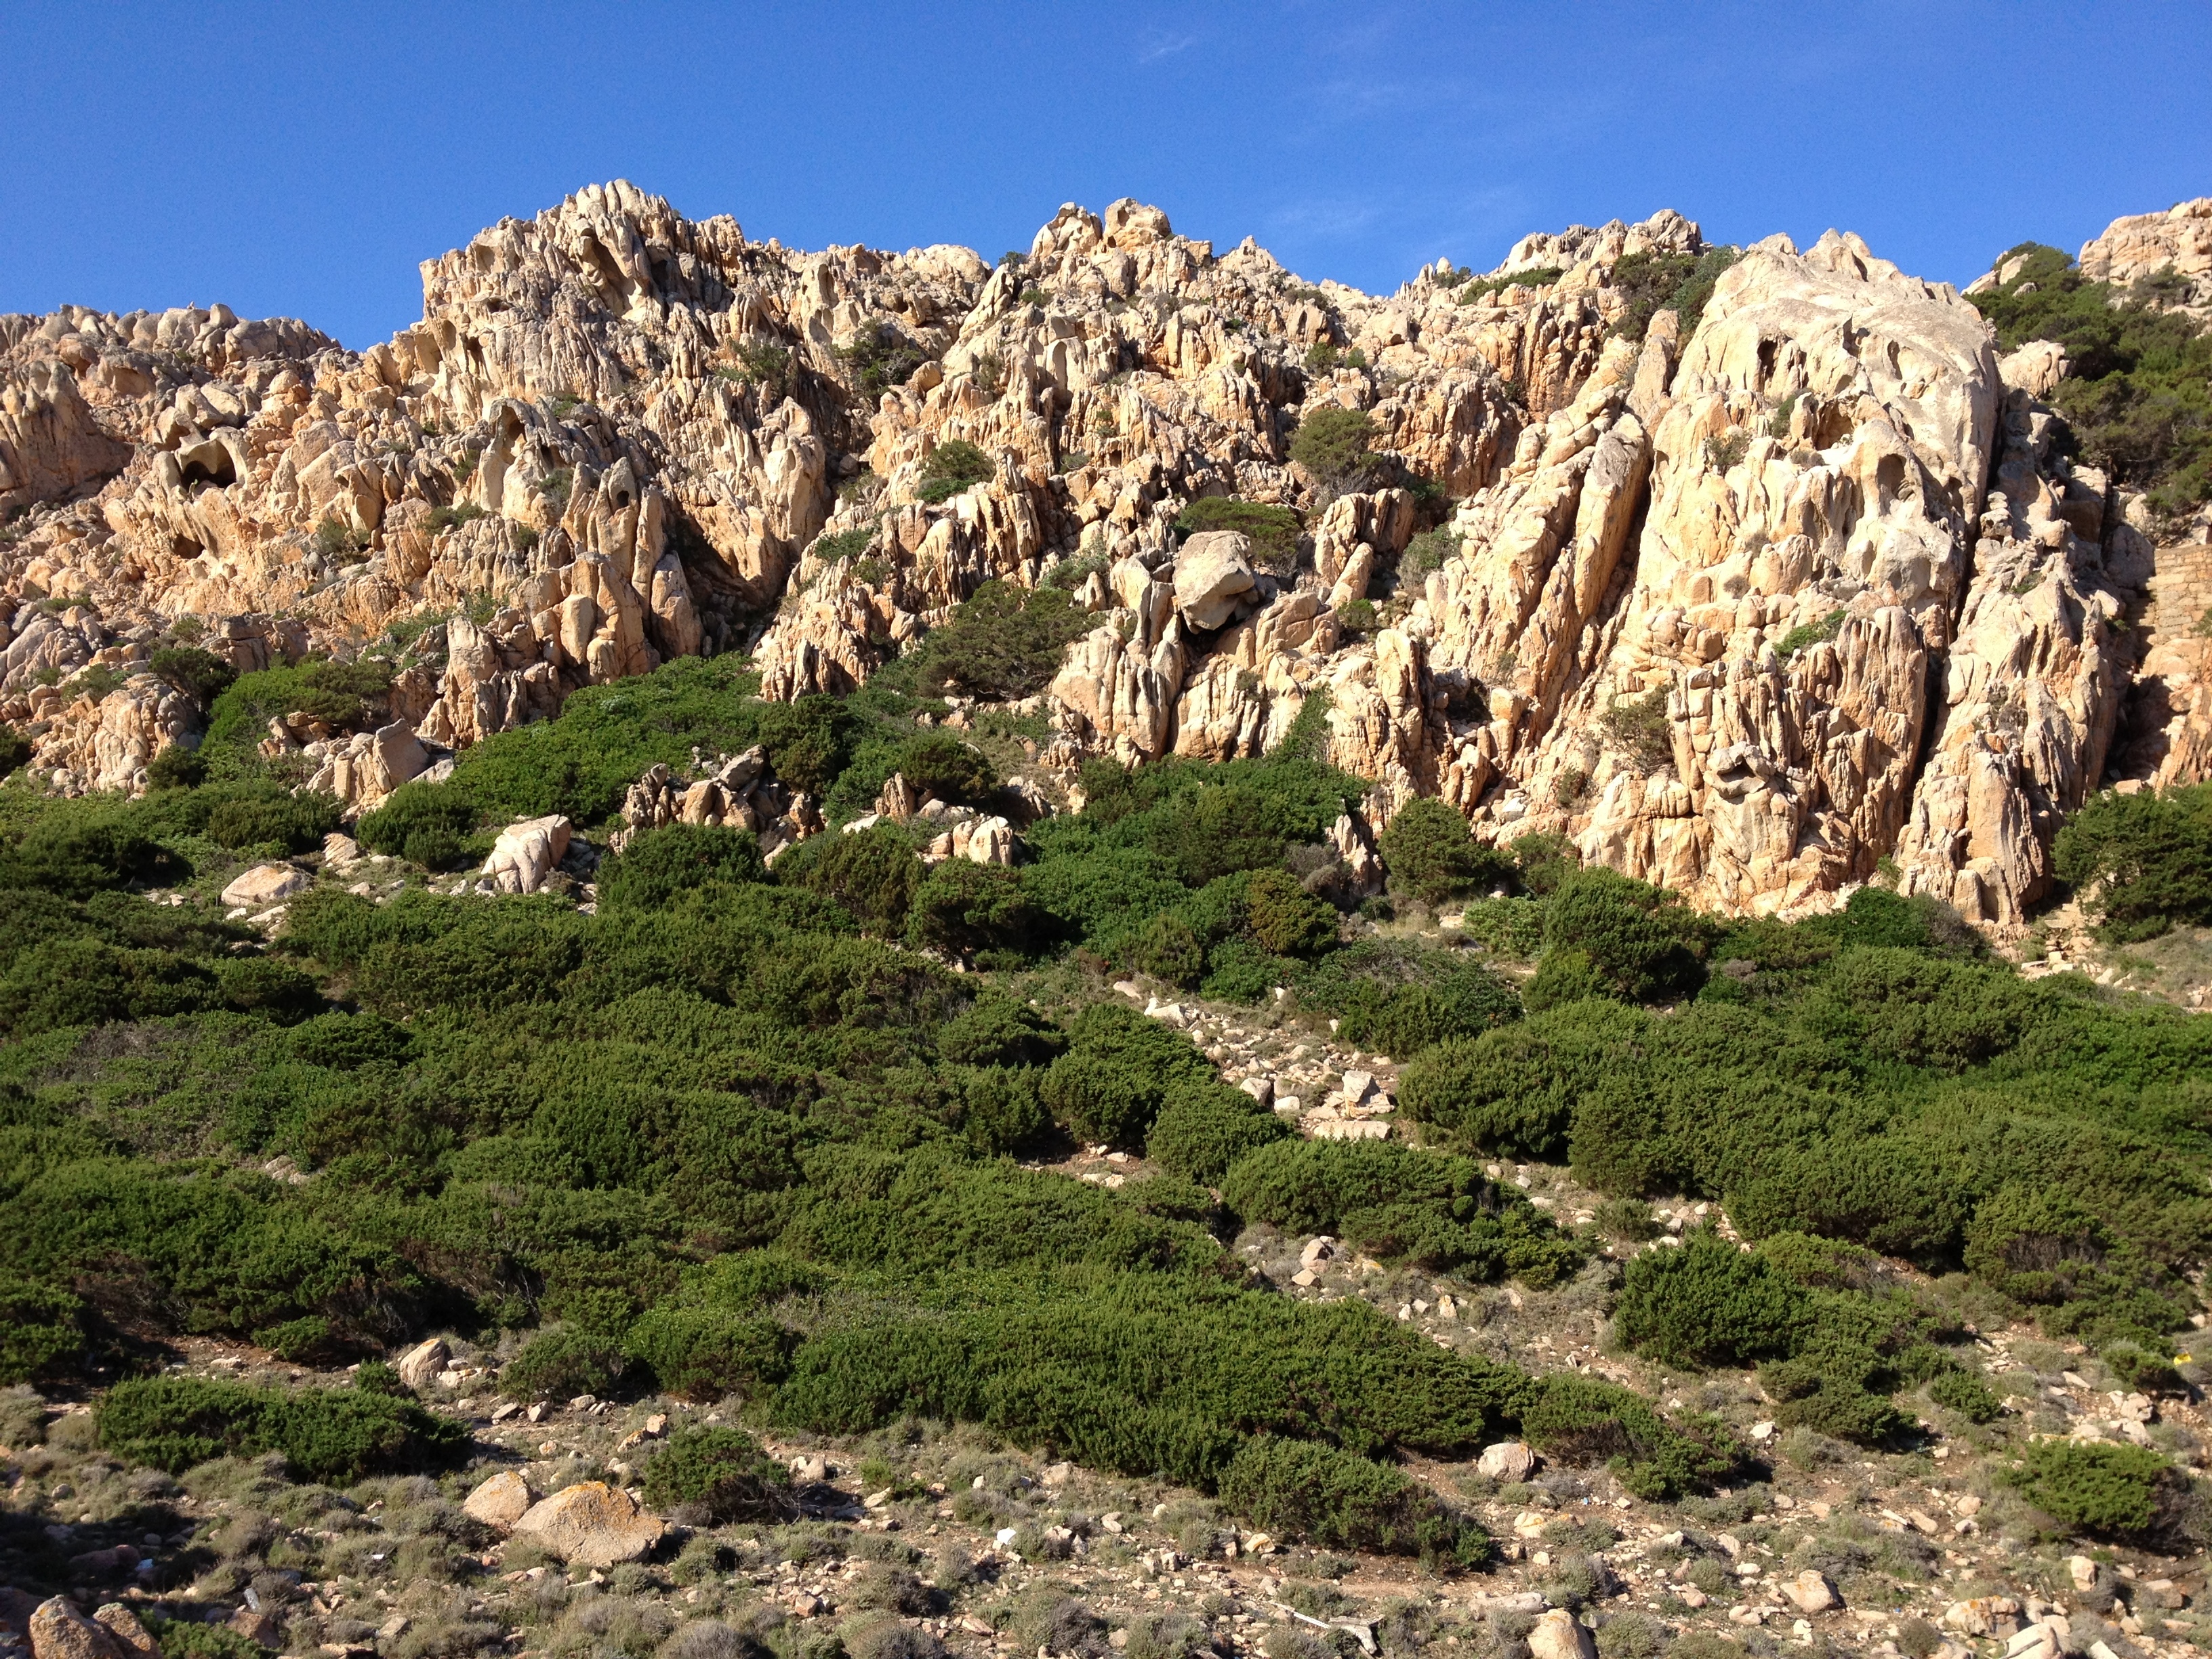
264 883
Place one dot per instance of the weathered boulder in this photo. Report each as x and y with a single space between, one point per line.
124 1629
58 1631
526 852
1213 574
265 884
502 1501
1507 1460
591 1524
420 1365
1558 1635
1812 1591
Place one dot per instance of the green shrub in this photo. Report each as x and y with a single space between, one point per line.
1331 443
942 768
562 1362
1430 550
1662 280
1206 1128
1339 1501
954 465
2141 862
1536 276
16 749
295 823
1836 1386
2105 1490
334 1436
724 1471
2135 398
176 767
873 874
1401 1204
975 911
1433 854
1810 634
1707 1304
40 1328
1003 643
1512 1091
1117 1074
1358 617
880 357
1286 920
1271 531
1643 944
1640 727
1407 1020
660 863
200 675
185 1639
1967 1394
1169 949
425 823
85 848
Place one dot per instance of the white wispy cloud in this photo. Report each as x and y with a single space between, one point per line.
1155 43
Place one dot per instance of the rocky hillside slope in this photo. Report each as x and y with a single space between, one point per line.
1744 593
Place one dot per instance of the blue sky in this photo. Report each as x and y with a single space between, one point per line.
300 160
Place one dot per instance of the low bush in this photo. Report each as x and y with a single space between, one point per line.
200 675
1206 1128
295 822
977 913
1401 1203
1664 280
1707 1304
425 823
332 1436
873 874
2143 862
2129 1493
1003 643
1433 856
954 465
942 768
658 865
1340 1501
39 1329
1810 634
721 1471
1331 443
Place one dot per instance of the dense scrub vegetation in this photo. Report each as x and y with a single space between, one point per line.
2138 389
1861 1077
745 1129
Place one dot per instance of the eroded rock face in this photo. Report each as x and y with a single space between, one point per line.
1726 604
2145 244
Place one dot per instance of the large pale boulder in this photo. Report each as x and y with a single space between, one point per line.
419 1366
1558 1636
1212 573
266 884
591 1524
526 852
1507 1460
502 1501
